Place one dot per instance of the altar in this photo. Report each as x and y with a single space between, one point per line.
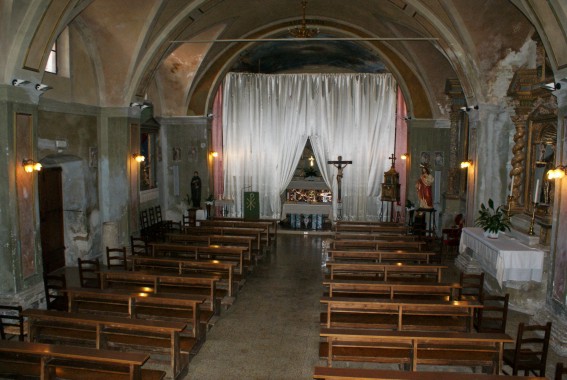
307 208
505 258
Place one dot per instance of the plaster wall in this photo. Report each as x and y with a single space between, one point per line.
114 183
493 148
192 136
79 175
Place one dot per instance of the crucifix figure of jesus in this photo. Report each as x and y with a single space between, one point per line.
340 165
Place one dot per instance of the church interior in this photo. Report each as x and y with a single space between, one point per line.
255 148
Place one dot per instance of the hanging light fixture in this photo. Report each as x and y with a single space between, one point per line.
303 31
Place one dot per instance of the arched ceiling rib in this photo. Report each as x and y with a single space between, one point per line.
132 40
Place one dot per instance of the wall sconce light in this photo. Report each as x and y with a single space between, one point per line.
404 156
138 157
31 165
466 164
214 154
557 173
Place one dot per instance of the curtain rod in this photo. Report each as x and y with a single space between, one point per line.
308 39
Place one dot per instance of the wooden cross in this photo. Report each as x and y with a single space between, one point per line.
340 165
393 158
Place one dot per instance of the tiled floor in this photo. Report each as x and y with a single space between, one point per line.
272 330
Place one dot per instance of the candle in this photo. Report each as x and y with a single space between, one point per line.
536 192
512 186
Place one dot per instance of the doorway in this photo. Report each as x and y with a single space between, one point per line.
51 219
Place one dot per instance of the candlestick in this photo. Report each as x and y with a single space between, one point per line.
512 186
536 191
531 230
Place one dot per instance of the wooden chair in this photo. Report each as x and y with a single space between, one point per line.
116 258
89 273
159 218
55 299
494 314
12 322
560 370
152 216
530 353
144 222
472 286
139 246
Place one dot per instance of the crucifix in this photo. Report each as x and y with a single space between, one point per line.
340 165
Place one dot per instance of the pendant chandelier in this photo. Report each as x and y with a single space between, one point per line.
303 31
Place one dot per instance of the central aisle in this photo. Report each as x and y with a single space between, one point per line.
272 330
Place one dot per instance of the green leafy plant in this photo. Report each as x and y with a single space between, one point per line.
309 172
492 219
210 199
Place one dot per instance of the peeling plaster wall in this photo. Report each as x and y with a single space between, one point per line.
492 155
79 175
500 78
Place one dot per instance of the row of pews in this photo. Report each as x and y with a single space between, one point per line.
144 318
385 305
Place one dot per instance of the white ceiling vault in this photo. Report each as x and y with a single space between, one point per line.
124 50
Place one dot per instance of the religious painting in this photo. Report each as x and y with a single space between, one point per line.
176 154
439 158
425 158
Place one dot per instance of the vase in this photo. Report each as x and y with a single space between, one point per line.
491 234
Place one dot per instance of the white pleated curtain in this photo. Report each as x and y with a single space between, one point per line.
267 120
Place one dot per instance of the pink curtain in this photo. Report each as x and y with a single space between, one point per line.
218 184
401 147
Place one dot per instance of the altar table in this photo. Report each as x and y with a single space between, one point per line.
505 258
307 208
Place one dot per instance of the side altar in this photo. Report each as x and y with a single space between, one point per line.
509 266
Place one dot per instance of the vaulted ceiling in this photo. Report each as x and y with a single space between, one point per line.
169 50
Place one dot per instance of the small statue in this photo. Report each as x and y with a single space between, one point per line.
423 187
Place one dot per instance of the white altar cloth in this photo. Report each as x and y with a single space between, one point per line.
505 258
307 208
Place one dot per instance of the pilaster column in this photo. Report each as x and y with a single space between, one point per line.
518 158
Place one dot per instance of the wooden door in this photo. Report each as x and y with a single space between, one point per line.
51 219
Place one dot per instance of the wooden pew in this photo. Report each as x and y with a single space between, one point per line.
383 229
382 271
184 265
49 361
135 305
247 242
237 255
102 332
399 314
392 290
377 245
381 256
155 282
271 223
266 237
326 373
413 348
256 233
374 236
340 223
